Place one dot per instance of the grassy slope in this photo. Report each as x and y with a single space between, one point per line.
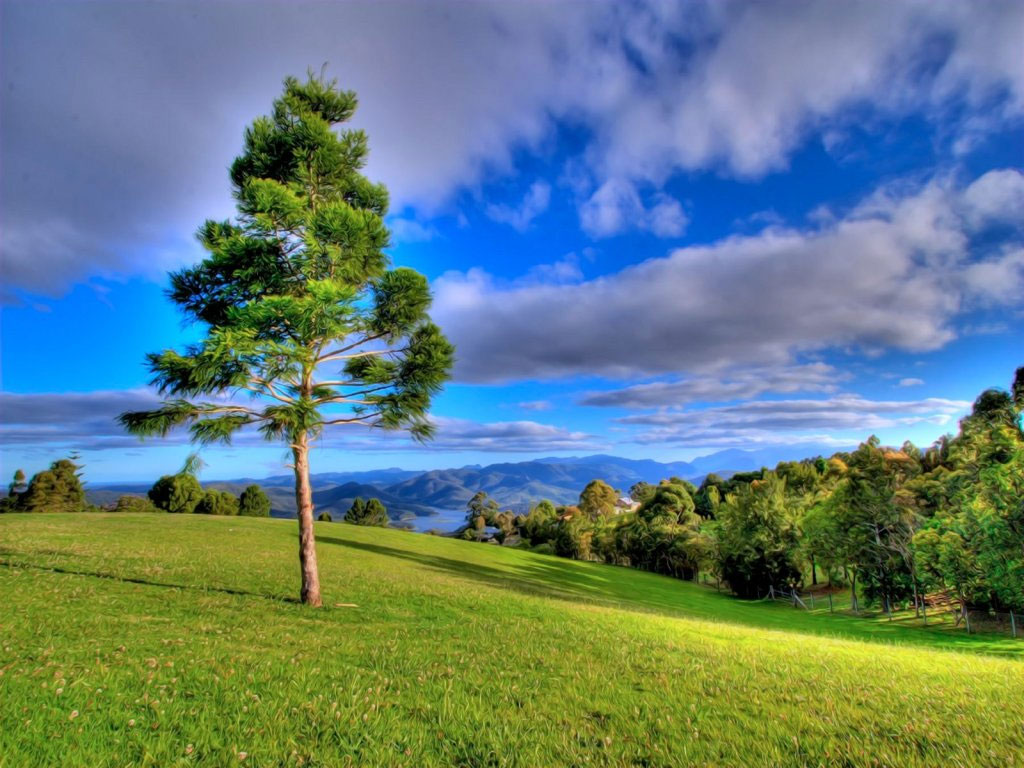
165 640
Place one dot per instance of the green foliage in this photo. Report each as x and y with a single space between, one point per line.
670 503
372 512
325 517
217 503
574 538
176 493
641 492
18 485
254 502
481 511
893 521
134 505
756 538
302 267
598 499
708 496
536 526
57 489
307 325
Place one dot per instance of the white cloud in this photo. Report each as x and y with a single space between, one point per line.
450 94
731 385
779 421
616 207
520 217
535 405
911 382
411 231
998 196
895 272
87 421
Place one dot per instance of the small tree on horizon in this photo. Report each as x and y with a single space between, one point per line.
299 283
254 502
371 512
18 485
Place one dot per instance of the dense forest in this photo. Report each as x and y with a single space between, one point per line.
893 523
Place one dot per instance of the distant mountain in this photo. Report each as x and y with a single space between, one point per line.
512 485
733 460
377 477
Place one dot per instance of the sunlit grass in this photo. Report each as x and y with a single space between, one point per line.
175 640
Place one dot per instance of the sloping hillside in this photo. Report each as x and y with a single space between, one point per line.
165 639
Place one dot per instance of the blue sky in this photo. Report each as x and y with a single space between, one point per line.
654 231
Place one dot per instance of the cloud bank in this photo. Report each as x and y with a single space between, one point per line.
893 272
121 118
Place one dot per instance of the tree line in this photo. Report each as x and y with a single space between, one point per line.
892 523
60 489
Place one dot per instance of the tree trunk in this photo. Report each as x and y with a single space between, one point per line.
304 504
814 572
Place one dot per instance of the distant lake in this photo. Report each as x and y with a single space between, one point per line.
443 520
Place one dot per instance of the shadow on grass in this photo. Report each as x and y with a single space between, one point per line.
574 582
578 587
147 582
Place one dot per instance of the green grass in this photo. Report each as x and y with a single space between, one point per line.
175 640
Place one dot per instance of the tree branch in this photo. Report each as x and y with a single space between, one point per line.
331 355
353 419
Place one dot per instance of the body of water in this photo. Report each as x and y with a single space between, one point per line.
444 520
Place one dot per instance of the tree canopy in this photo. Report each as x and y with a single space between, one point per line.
297 285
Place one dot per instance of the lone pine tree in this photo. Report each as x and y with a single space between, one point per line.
297 285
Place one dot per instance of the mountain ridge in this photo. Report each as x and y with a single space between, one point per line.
514 485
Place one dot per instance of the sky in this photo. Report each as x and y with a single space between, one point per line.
655 230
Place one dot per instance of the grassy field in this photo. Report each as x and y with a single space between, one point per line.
175 640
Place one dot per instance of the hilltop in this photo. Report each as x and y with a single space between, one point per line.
167 639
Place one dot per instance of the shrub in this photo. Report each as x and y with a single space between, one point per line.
57 489
325 517
134 504
371 512
254 502
176 493
217 503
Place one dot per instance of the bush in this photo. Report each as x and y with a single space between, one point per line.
176 493
254 502
57 489
134 504
217 503
325 517
370 513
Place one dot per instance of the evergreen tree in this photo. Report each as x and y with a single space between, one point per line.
217 503
254 502
178 493
135 504
300 281
57 489
371 512
18 485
